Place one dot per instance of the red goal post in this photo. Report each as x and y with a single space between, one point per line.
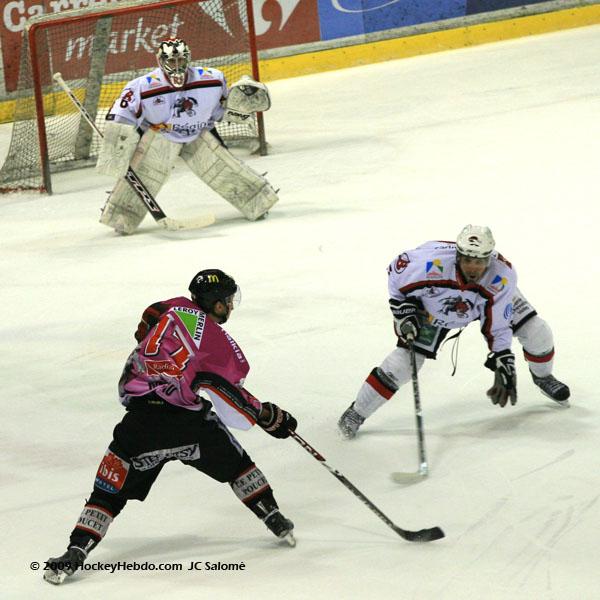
98 49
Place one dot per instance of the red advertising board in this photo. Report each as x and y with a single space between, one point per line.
285 22
136 35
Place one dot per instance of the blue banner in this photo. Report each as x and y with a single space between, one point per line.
342 18
478 6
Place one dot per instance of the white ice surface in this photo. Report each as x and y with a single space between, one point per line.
370 161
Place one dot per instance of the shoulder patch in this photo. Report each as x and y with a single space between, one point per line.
193 320
401 263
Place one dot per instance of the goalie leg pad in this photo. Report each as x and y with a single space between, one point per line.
152 161
120 142
229 177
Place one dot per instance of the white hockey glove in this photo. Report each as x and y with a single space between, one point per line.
505 377
246 97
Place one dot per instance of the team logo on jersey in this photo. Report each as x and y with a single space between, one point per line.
433 292
508 311
163 367
112 473
498 284
402 262
434 268
457 305
185 105
153 81
158 100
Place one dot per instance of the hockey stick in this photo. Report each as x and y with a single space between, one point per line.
423 466
423 535
134 181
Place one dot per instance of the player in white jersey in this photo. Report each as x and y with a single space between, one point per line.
446 285
169 112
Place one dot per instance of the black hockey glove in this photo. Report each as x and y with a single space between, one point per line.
406 320
276 421
505 377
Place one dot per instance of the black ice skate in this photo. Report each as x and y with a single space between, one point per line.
349 423
280 526
553 388
65 565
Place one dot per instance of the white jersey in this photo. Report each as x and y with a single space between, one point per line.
430 274
180 114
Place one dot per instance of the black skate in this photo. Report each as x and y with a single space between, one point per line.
350 422
65 565
280 526
553 388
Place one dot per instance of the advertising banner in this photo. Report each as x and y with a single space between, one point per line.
479 6
135 37
285 23
340 18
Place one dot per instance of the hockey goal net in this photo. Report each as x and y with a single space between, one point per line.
98 49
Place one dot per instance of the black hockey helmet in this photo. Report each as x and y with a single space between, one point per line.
211 286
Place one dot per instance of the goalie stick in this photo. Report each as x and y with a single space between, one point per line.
423 471
423 535
135 182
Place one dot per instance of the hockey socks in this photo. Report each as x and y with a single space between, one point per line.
253 489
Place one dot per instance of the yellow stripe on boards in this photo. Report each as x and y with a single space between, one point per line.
363 54
427 43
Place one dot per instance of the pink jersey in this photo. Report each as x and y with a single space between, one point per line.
183 353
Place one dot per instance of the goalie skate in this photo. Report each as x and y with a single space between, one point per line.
280 526
553 388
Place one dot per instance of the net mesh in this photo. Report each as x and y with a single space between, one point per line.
98 51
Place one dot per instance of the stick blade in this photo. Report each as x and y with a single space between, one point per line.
193 223
423 535
412 477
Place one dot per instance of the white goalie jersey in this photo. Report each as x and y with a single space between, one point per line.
429 273
179 114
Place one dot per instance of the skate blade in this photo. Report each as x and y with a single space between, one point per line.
343 435
54 578
563 403
289 538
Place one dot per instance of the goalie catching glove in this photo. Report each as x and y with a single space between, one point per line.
276 421
505 377
246 97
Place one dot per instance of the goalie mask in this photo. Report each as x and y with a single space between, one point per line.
211 286
173 58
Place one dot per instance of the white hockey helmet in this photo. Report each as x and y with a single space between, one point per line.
475 241
173 57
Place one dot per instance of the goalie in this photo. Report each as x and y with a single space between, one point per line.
170 112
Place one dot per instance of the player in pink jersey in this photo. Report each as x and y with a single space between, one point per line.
184 364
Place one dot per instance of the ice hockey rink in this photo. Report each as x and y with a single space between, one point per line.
370 161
